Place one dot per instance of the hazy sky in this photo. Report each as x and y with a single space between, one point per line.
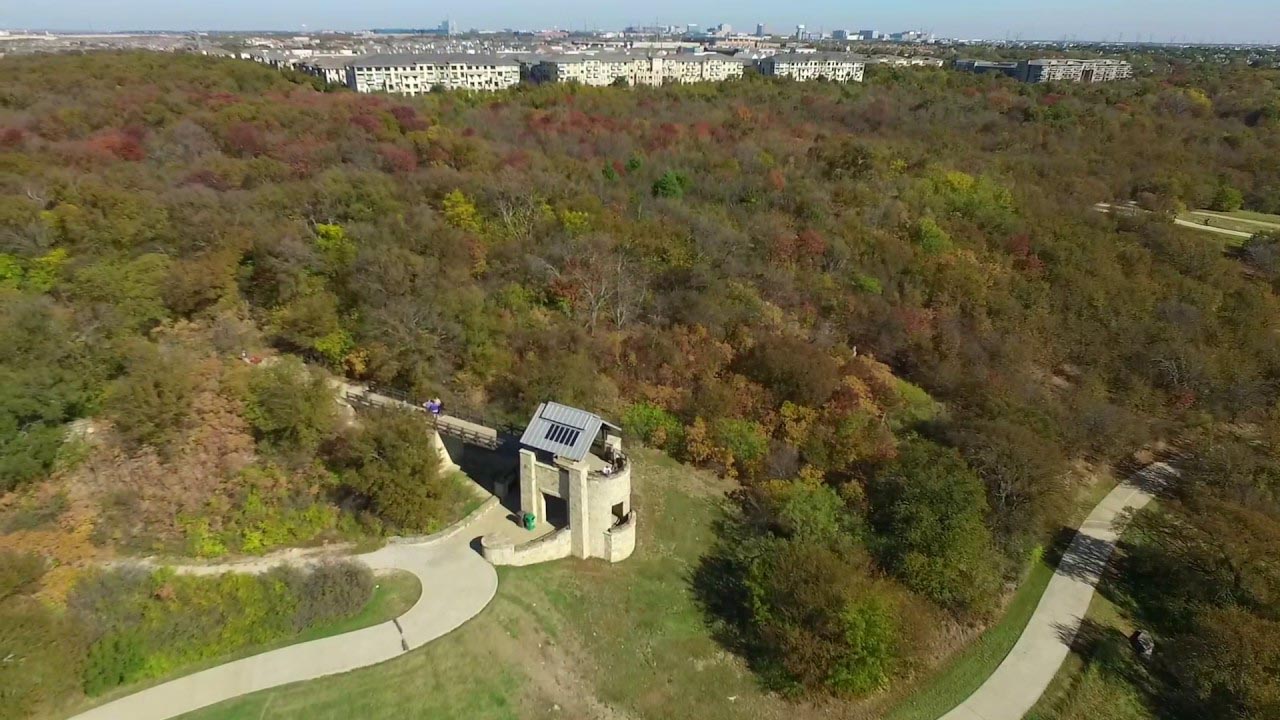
1194 20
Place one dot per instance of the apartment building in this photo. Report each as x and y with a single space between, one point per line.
1082 71
709 67
900 61
412 74
989 67
594 70
606 69
1053 69
802 67
330 68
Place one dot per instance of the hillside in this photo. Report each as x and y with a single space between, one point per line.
888 311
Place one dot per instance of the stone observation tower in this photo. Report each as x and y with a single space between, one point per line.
575 479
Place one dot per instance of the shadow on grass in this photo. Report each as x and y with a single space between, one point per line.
1111 653
719 590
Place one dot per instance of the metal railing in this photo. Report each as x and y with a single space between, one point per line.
465 434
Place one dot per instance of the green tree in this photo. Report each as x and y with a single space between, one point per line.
151 401
931 238
460 211
131 292
927 508
394 465
1227 199
825 624
290 406
335 246
46 380
671 185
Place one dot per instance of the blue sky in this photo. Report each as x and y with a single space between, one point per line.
1194 20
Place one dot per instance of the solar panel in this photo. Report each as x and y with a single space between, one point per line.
562 434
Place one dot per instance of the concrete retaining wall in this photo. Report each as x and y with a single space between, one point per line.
620 540
448 532
500 551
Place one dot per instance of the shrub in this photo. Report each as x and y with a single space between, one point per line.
20 573
115 660
931 237
793 368
867 284
43 653
331 592
1227 199
825 623
144 625
152 400
745 439
653 425
290 407
41 650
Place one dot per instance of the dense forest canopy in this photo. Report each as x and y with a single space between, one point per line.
888 308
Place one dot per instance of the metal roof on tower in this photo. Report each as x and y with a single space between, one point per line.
563 431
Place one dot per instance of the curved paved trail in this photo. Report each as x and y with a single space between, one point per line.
1026 672
1210 228
456 585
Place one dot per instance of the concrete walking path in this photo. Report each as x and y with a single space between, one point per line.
1132 209
1212 229
456 585
1026 672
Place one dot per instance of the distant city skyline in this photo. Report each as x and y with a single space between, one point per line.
1230 21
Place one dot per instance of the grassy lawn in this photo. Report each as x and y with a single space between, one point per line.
395 593
1240 221
1093 683
1255 218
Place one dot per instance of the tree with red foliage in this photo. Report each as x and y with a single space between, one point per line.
245 140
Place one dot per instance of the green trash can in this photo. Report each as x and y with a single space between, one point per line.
530 522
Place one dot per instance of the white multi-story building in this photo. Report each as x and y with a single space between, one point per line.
900 61
606 69
331 68
709 67
595 70
418 74
802 67
1071 70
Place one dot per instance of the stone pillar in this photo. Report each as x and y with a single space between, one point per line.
529 484
579 510
447 464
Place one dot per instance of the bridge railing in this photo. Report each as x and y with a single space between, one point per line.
418 402
466 430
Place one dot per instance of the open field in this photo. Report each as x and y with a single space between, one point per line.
568 639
